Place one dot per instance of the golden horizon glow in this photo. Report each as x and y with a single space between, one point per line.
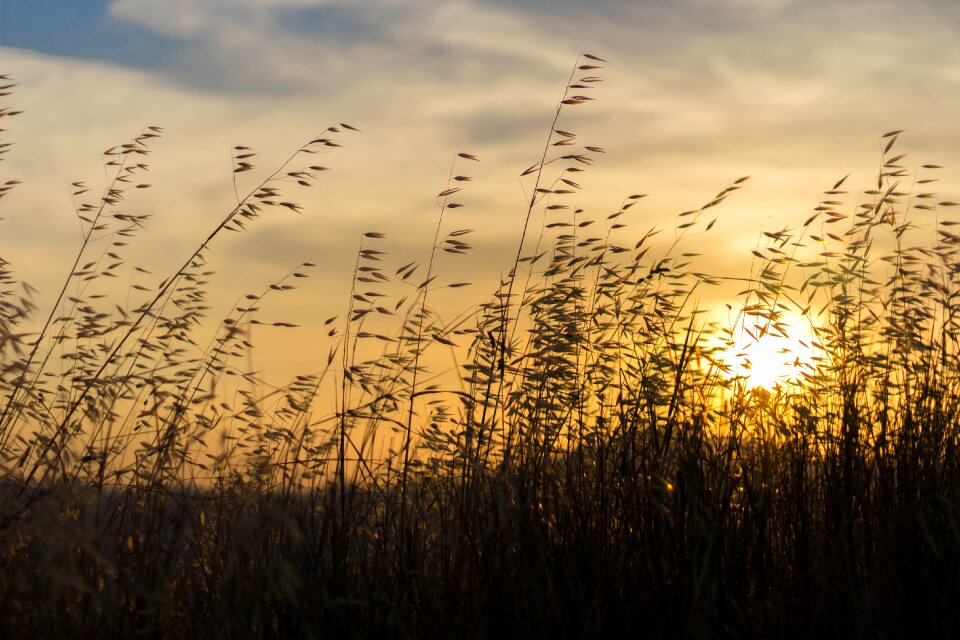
424 84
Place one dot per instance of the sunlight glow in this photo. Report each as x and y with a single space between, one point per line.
767 360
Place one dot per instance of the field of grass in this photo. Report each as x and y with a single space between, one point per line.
597 467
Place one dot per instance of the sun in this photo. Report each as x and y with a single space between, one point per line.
766 360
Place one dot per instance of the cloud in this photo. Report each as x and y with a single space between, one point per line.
298 46
698 94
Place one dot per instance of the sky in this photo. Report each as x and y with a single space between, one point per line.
697 93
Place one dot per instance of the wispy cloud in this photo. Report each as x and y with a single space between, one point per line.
699 93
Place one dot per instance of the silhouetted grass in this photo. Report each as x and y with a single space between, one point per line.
595 468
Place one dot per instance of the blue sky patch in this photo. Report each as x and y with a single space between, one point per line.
83 30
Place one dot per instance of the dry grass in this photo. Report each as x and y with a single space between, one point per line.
594 468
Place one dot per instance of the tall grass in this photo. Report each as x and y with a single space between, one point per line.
596 467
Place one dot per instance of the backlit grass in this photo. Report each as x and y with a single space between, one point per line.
608 458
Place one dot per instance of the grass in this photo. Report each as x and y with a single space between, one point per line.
595 467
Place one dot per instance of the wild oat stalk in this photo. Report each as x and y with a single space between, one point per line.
599 461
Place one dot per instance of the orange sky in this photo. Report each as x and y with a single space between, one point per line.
795 94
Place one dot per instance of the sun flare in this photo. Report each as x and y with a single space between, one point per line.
767 360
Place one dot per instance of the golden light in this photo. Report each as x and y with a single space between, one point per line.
767 360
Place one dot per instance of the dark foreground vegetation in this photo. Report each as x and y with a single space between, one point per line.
594 468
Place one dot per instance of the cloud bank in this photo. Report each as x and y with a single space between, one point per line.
699 93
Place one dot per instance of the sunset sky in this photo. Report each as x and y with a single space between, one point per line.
698 93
